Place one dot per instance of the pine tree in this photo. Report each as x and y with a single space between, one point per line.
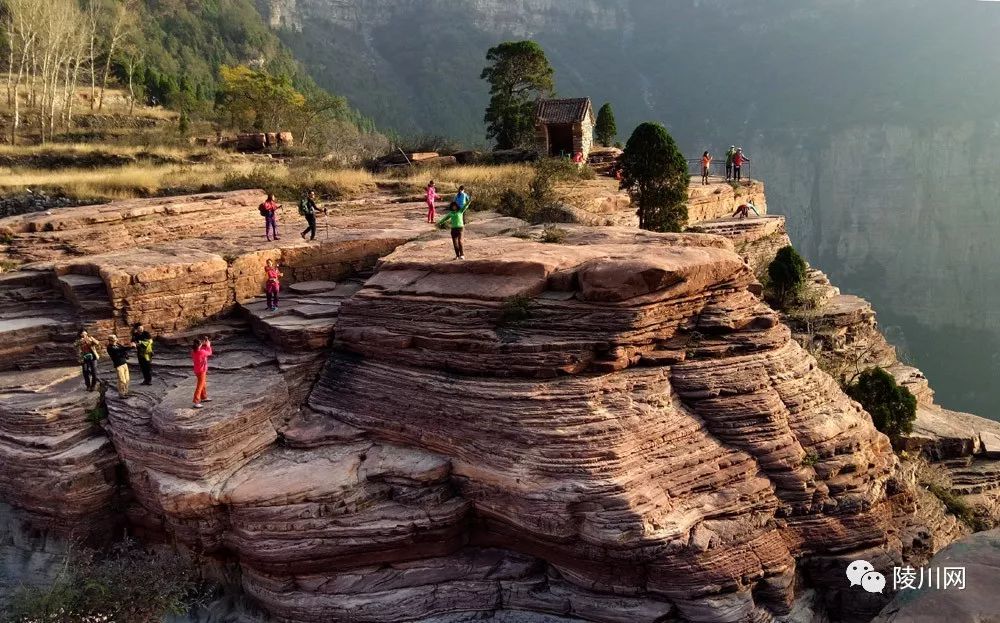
606 130
655 174
519 73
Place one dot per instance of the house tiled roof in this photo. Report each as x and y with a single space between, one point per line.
563 110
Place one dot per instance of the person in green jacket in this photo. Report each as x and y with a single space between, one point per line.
144 349
456 220
730 155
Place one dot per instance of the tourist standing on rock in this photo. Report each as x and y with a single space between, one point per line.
730 155
88 352
432 196
706 165
269 210
462 198
273 284
456 220
119 359
201 350
143 341
738 161
308 209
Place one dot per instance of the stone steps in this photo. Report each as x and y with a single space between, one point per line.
87 293
306 316
37 327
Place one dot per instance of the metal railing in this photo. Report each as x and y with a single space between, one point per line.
718 168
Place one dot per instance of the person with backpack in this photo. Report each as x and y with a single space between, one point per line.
462 198
269 210
308 209
273 284
738 160
143 341
201 350
88 353
119 359
432 196
706 165
456 220
730 155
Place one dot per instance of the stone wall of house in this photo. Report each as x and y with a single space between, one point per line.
583 138
542 139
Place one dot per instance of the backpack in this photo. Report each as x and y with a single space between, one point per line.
303 209
263 211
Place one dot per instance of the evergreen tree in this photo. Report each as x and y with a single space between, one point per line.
519 73
655 174
787 273
892 407
606 130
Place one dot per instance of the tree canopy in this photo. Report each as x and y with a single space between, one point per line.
255 100
519 73
787 274
606 130
655 174
892 407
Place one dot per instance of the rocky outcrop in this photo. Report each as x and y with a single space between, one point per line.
609 428
697 407
600 202
173 263
54 462
974 602
842 332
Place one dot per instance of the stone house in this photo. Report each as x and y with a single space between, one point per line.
564 127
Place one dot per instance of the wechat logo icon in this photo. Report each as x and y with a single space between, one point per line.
862 573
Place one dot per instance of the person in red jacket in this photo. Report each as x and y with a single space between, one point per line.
738 161
273 284
201 350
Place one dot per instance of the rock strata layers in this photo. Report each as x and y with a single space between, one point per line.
630 414
610 428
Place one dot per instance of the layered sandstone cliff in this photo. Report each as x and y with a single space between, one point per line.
609 428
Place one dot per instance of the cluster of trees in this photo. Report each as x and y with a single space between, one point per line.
53 46
653 169
250 99
62 55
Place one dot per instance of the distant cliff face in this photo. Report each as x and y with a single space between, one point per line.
907 218
520 18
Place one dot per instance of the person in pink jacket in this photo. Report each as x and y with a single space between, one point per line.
201 350
432 196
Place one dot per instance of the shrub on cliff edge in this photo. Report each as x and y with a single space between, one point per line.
655 174
892 407
130 584
786 276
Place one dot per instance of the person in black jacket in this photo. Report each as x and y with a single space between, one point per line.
143 341
308 209
119 359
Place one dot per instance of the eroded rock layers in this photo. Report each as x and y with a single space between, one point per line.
629 414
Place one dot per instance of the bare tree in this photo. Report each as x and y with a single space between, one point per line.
47 44
133 57
122 23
